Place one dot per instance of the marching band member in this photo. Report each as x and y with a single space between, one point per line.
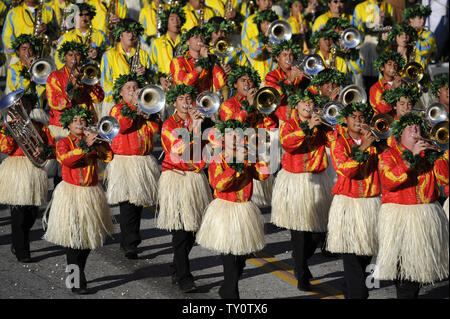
197 13
119 59
328 83
286 78
219 7
24 186
233 225
84 33
412 228
197 67
336 10
65 90
18 75
303 210
79 218
388 65
324 40
439 88
401 99
426 42
148 18
132 176
298 11
181 175
104 9
352 222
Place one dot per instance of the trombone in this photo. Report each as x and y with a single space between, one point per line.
107 128
330 112
267 100
380 126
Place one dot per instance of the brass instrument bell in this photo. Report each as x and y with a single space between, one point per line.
267 100
352 93
151 99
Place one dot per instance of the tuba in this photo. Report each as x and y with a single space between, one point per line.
352 93
151 99
208 102
267 100
350 38
279 30
21 127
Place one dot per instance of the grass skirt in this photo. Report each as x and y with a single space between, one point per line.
58 132
262 192
352 225
79 217
134 179
446 208
22 183
39 115
182 198
106 108
413 243
232 228
301 201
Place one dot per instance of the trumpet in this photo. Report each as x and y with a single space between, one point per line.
107 128
352 93
267 100
279 30
380 126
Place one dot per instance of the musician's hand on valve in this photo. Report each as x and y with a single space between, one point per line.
114 19
140 70
314 121
366 140
90 137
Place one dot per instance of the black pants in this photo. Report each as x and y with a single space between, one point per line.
130 225
303 246
22 220
233 266
407 289
78 257
355 275
182 243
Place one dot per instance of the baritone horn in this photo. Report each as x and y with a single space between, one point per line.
40 69
310 64
279 30
208 102
267 100
350 38
352 93
151 99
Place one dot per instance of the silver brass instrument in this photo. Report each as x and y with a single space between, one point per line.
310 64
350 38
107 128
380 126
267 100
111 11
158 19
21 127
279 30
151 99
208 102
352 93
62 22
436 113
329 113
201 18
40 69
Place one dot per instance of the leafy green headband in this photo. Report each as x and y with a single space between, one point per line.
417 11
73 46
35 42
197 30
382 59
225 26
288 3
334 23
324 34
330 76
401 28
409 119
127 25
166 14
266 15
221 126
87 7
349 109
286 45
239 71
178 90
301 95
392 96
439 82
67 116
124 78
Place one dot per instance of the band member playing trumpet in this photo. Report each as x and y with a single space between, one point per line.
84 33
388 66
79 218
327 83
233 224
303 210
439 88
325 41
24 186
352 222
181 175
197 67
286 78
26 47
336 10
132 176
197 13
64 88
412 228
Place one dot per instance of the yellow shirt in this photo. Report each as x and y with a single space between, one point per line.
162 51
367 13
295 25
341 65
116 62
3 11
219 6
98 40
320 22
148 18
192 17
99 21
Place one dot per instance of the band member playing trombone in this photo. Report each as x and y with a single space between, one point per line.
79 218
352 222
302 192
197 67
65 88
23 185
183 190
132 176
412 228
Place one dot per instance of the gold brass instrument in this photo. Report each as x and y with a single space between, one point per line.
350 38
380 126
333 52
439 136
90 73
135 60
19 124
412 73
151 99
352 93
110 27
107 128
267 100
38 22
228 9
279 30
201 18
208 103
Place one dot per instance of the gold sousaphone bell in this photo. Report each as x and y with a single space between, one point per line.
267 100
440 136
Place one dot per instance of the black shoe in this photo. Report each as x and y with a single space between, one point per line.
82 291
132 254
187 286
306 286
25 260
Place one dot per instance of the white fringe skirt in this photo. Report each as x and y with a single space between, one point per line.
106 108
446 208
232 228
301 201
182 198
413 243
39 115
58 132
262 192
352 225
22 183
134 179
79 217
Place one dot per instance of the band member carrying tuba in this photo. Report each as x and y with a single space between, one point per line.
412 228
132 176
